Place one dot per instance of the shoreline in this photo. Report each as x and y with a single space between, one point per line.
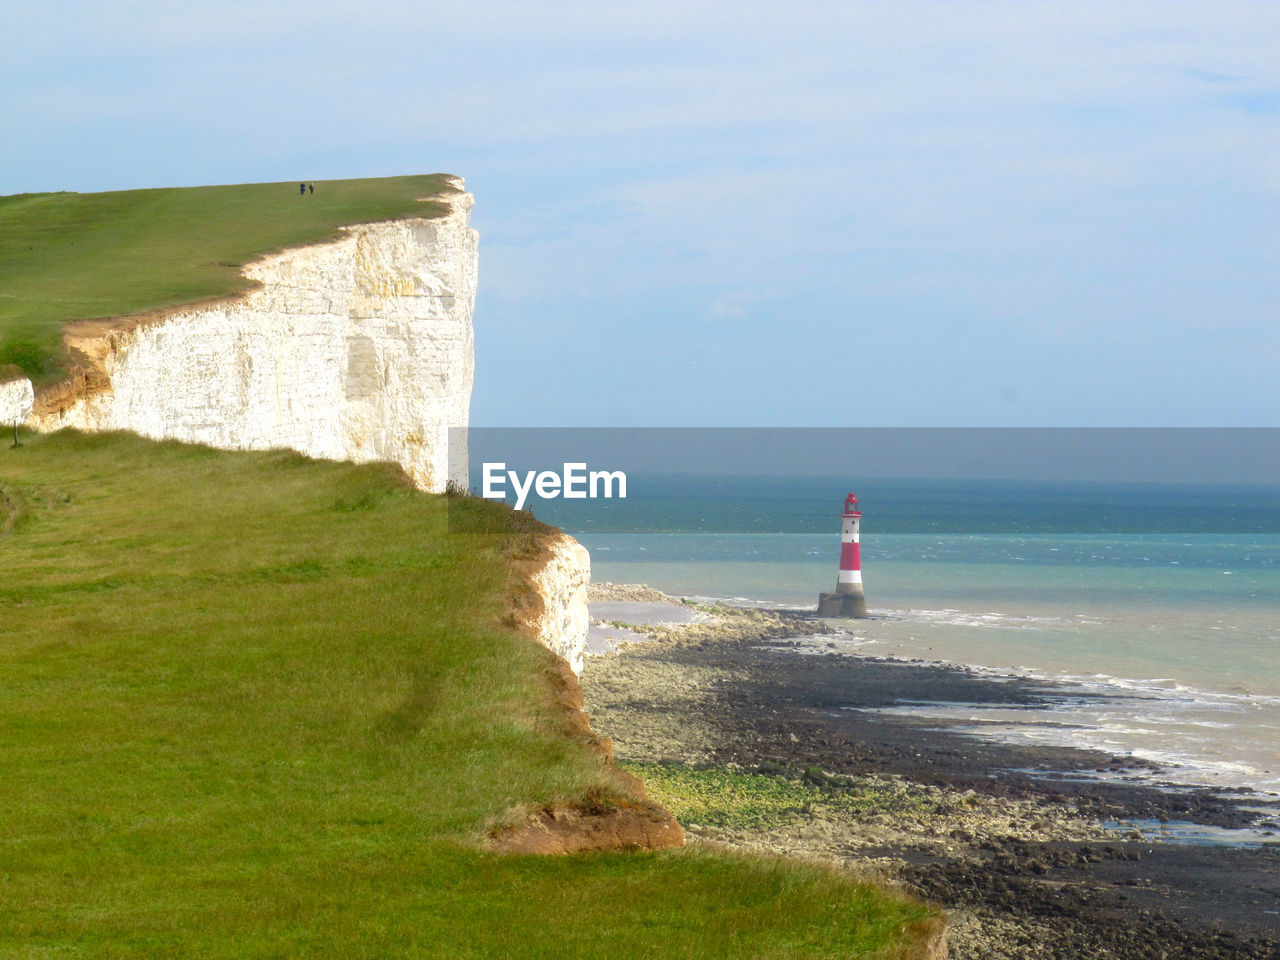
1001 834
1156 723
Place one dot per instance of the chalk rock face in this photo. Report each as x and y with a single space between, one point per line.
360 349
16 398
562 584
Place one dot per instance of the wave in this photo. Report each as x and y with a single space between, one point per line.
949 616
1155 688
1197 737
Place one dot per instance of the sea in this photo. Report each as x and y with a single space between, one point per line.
1151 610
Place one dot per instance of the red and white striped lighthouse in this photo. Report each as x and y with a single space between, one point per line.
848 600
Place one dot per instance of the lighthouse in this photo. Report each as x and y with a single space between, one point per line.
848 600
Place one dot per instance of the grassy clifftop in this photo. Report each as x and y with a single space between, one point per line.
257 705
78 256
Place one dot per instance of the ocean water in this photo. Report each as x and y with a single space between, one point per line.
1168 642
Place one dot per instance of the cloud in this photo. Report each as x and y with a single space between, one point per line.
1038 175
1209 76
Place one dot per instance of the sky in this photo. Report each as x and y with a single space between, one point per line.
902 213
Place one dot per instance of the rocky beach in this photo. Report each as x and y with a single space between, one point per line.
765 729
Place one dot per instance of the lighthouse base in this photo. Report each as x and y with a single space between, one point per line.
847 605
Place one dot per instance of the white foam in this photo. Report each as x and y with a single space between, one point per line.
743 602
1163 732
1184 729
1003 621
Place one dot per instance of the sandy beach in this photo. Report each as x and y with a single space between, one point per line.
1036 850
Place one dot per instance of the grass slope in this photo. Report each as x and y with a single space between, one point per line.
255 705
78 256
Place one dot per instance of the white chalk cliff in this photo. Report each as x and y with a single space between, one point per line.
562 584
16 399
359 349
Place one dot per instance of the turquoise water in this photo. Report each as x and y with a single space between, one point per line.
711 503
1180 632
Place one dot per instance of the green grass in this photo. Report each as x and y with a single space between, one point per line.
254 705
78 256
715 796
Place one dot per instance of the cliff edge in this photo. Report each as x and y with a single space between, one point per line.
619 815
357 349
